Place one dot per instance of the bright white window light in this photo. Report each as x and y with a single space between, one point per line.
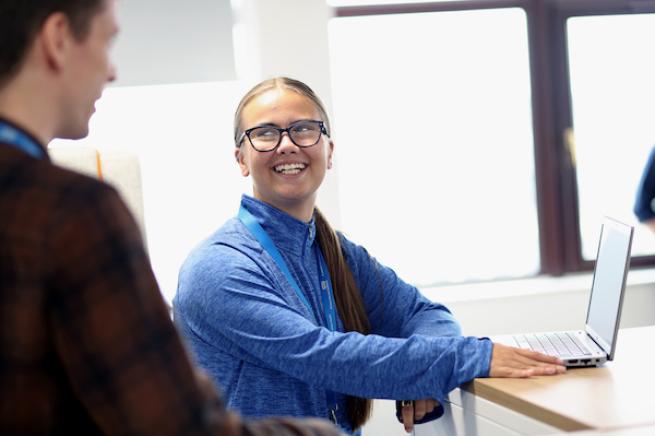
612 69
434 145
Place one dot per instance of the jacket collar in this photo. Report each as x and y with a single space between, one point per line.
287 233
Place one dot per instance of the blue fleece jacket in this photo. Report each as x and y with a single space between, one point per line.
272 356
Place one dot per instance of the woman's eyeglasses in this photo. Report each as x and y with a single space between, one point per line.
303 133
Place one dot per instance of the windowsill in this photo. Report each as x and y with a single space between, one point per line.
536 286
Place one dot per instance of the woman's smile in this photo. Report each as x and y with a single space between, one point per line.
290 169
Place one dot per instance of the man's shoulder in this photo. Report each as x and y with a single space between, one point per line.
37 196
41 175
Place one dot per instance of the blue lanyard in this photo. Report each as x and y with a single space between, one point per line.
12 136
324 279
325 284
327 294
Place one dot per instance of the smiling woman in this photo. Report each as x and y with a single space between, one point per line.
292 318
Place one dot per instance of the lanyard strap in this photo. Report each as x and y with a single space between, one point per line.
325 284
327 293
258 232
12 136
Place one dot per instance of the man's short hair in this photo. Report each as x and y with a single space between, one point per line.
20 20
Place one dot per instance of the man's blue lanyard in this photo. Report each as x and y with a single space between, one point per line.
12 136
325 283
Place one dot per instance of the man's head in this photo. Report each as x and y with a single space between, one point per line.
64 44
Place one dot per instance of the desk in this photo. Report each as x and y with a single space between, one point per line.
648 430
614 396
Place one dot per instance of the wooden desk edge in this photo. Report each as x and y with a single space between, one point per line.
483 390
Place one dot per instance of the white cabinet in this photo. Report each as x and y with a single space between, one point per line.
469 415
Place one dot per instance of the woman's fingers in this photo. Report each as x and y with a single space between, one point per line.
420 409
416 410
516 362
408 415
534 355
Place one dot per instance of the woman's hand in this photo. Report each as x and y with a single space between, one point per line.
518 363
415 411
505 362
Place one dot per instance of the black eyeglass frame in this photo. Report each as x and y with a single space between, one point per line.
246 133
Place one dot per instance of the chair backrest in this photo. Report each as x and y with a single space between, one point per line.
119 168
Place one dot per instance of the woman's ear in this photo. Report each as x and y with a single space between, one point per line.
241 160
330 151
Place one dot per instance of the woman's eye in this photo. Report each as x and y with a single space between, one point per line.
300 128
265 133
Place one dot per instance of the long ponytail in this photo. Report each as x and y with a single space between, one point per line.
350 305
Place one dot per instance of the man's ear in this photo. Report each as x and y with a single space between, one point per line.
239 156
55 38
330 152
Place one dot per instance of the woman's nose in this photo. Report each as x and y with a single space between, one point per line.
286 144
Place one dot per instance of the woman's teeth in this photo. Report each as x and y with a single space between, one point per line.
294 168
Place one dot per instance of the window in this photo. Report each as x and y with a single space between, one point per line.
508 128
436 115
612 94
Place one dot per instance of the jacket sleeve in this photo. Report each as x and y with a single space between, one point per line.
114 336
644 208
237 301
394 307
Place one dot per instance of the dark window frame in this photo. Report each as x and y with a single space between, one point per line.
556 184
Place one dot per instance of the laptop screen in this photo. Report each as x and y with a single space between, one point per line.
612 263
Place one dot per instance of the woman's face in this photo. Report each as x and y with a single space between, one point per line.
289 188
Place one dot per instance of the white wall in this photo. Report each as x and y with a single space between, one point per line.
170 41
542 303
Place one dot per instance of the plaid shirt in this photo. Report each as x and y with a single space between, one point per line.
86 342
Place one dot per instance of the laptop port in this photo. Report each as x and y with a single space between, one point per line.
585 360
572 361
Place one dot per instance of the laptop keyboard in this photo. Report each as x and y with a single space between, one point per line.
560 344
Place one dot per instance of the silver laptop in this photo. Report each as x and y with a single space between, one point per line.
596 344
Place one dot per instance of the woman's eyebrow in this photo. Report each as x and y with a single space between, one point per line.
268 124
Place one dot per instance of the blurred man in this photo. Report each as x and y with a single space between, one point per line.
86 342
644 207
